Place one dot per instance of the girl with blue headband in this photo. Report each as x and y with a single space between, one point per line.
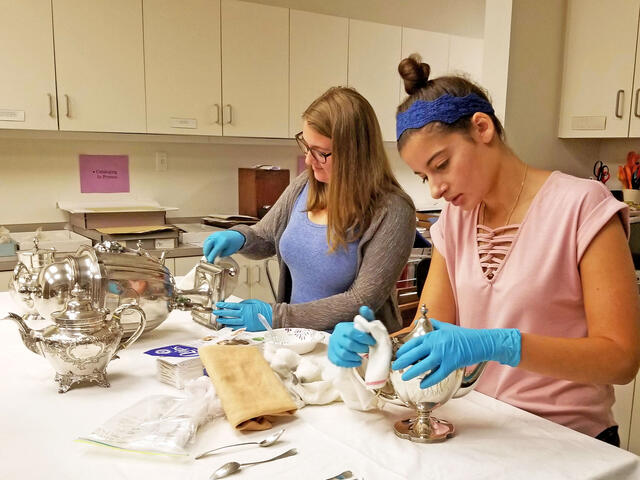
331 229
530 270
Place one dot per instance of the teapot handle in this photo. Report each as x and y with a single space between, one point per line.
469 381
143 323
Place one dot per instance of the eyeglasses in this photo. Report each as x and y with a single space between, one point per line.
319 156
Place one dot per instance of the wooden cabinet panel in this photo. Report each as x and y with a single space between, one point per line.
318 46
182 66
374 55
27 82
100 65
255 70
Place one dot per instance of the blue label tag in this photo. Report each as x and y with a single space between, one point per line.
183 351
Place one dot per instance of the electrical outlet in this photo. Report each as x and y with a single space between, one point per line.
161 161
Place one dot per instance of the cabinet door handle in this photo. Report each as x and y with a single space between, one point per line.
68 104
619 95
635 110
230 117
217 105
51 107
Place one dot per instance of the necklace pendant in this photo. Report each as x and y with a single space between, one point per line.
489 275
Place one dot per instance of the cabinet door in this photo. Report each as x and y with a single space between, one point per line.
182 66
622 411
184 265
634 431
465 57
599 60
260 272
27 82
100 65
433 47
634 126
319 46
255 70
374 54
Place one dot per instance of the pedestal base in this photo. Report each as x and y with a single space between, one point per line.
424 429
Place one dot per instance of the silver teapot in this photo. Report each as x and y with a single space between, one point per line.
424 428
24 279
114 275
82 340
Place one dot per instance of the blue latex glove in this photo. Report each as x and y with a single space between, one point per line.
244 314
346 342
222 244
449 347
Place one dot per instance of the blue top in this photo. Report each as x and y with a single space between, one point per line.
315 273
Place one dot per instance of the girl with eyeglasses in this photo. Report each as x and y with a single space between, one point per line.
531 269
342 230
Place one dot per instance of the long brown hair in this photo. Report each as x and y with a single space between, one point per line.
360 170
417 84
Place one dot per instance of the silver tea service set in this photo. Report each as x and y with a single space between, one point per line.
93 300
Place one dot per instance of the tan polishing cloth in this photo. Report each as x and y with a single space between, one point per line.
250 392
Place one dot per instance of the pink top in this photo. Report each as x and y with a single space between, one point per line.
535 288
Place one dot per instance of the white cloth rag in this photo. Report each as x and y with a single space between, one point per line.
377 370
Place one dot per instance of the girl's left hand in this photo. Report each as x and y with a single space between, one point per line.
449 347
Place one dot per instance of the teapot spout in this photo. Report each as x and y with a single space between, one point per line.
26 333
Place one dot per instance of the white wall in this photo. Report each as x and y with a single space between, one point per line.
201 178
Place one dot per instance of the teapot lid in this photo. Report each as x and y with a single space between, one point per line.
420 327
78 310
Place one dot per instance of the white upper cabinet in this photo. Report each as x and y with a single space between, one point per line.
255 70
182 66
465 57
319 46
600 53
27 78
374 55
100 65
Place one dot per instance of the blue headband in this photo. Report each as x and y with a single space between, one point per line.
446 109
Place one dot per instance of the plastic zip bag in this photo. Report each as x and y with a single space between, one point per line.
160 424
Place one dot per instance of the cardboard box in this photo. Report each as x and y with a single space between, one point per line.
115 214
154 240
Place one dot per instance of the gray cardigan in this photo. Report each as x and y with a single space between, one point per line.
383 251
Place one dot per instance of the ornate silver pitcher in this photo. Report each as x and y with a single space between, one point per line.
24 279
424 428
82 340
114 275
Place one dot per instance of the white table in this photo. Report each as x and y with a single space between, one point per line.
494 440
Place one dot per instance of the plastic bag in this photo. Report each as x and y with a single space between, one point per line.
161 424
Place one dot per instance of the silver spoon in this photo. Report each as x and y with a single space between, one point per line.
267 442
232 467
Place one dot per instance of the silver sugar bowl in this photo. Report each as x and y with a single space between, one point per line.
82 340
24 279
424 428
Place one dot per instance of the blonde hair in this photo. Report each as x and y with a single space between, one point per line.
360 170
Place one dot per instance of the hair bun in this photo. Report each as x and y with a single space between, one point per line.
414 73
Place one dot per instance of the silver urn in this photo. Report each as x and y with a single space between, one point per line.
24 278
82 340
114 275
423 427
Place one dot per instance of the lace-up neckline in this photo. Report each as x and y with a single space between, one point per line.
494 246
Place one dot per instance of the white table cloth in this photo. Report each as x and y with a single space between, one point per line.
494 440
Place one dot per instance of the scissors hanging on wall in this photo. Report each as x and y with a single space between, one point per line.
601 171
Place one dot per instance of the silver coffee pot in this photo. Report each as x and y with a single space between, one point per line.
24 279
82 340
423 427
113 275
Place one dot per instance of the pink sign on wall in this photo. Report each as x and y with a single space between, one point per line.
104 173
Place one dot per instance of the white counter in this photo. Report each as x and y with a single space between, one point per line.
494 440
